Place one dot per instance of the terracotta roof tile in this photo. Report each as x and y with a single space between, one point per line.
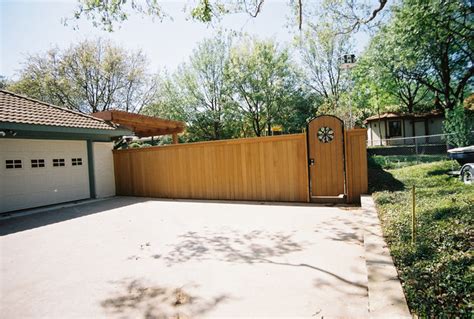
16 108
387 115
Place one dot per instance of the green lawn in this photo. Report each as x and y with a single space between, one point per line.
399 161
436 272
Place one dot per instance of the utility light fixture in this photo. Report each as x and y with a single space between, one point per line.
349 58
348 61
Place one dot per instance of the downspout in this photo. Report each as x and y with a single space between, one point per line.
90 165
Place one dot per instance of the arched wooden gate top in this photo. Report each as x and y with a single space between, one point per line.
325 136
323 116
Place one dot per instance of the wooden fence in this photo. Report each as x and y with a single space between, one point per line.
356 164
264 168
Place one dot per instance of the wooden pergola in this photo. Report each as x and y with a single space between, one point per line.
143 125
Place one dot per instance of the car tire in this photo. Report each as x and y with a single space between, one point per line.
467 175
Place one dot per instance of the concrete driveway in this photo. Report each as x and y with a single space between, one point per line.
145 258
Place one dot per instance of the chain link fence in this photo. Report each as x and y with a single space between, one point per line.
414 145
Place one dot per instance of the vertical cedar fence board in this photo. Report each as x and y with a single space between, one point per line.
263 168
356 164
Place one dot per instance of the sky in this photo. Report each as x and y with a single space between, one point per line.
34 26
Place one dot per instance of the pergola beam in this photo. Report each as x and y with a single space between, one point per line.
143 125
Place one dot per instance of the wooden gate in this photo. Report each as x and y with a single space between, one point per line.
325 135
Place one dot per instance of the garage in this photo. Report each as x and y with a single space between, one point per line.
42 172
51 155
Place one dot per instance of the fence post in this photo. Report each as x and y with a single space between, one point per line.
413 216
416 149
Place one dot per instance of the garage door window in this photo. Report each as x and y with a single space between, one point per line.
76 161
35 163
9 164
57 162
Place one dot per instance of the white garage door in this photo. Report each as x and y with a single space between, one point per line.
42 172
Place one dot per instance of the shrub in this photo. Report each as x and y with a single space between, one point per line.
459 124
134 145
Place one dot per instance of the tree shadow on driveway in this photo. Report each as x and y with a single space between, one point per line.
232 246
254 247
138 299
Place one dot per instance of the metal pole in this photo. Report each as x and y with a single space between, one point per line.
350 111
350 98
416 149
348 62
413 216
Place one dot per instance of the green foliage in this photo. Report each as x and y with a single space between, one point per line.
436 272
139 144
88 77
134 145
423 52
197 93
261 79
205 11
3 82
109 14
106 14
238 89
299 108
434 42
399 161
383 79
351 16
458 124
321 50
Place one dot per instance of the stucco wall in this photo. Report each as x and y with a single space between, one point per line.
104 169
375 132
435 126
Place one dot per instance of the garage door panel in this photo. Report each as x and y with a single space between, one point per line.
29 186
15 187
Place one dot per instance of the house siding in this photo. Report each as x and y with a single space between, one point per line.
377 130
103 169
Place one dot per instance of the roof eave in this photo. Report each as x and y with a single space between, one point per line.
64 129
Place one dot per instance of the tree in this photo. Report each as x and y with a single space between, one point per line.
382 66
106 14
458 125
169 101
226 91
3 82
203 81
299 108
197 92
321 52
90 76
260 78
436 36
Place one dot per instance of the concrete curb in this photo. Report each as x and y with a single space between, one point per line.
32 211
386 297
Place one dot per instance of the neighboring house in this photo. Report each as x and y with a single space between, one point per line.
392 128
50 155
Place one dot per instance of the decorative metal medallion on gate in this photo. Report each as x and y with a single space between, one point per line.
325 134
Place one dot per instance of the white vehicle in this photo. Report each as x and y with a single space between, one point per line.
465 157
